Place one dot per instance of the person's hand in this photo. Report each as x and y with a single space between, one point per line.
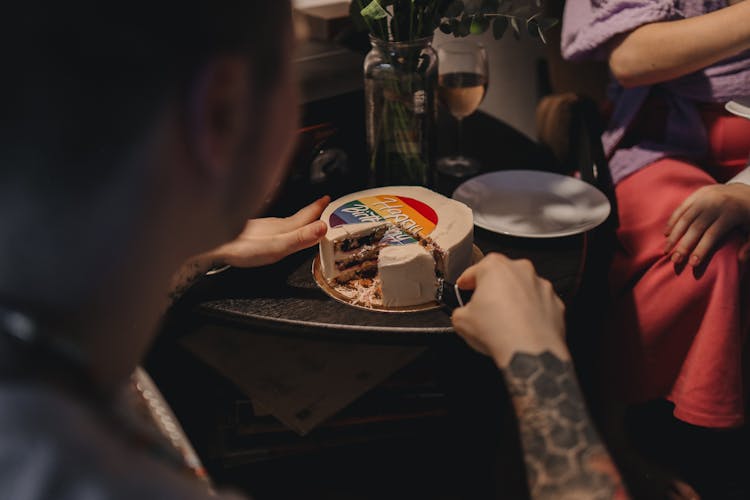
512 310
262 242
680 490
268 240
703 219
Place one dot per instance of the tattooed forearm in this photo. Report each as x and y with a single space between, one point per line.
189 274
564 455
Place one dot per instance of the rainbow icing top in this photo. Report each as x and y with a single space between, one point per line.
412 216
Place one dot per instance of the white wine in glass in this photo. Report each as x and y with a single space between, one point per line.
462 92
462 82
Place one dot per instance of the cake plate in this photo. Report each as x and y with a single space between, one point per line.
284 299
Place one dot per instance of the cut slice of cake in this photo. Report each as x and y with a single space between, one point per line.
407 275
389 246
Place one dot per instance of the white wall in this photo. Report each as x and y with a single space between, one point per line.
512 92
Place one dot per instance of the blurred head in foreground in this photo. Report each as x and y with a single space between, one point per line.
133 136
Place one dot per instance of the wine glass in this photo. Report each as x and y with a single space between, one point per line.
462 82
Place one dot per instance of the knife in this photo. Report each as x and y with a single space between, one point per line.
450 296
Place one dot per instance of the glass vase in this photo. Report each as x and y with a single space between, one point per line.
401 111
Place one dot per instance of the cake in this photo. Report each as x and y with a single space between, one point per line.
390 246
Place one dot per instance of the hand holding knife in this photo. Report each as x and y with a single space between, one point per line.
450 296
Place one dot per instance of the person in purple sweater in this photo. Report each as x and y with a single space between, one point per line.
678 279
135 140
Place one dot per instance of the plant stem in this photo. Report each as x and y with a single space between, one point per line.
411 21
394 24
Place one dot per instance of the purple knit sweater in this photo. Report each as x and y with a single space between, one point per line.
587 27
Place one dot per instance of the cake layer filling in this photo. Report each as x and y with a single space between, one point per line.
407 274
353 243
346 260
367 269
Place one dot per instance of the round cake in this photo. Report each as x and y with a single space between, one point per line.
390 246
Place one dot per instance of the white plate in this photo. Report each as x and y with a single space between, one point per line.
739 106
533 204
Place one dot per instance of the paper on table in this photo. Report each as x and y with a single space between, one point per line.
302 382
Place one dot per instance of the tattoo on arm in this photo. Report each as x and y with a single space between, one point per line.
188 275
564 456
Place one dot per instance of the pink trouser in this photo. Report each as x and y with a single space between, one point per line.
676 333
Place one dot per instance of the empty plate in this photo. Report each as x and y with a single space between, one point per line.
739 106
533 204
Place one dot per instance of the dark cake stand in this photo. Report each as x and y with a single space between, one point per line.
284 298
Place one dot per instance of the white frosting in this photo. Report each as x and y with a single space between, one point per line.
407 275
407 272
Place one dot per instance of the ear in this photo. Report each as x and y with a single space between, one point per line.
219 115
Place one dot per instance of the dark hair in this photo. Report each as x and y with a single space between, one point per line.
81 81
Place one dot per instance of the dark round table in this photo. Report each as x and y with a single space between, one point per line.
284 298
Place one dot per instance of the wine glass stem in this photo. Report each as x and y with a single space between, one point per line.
459 146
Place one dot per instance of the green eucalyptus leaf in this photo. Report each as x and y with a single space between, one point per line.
454 9
532 27
377 27
515 28
373 11
479 25
464 27
403 20
542 37
546 23
499 25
